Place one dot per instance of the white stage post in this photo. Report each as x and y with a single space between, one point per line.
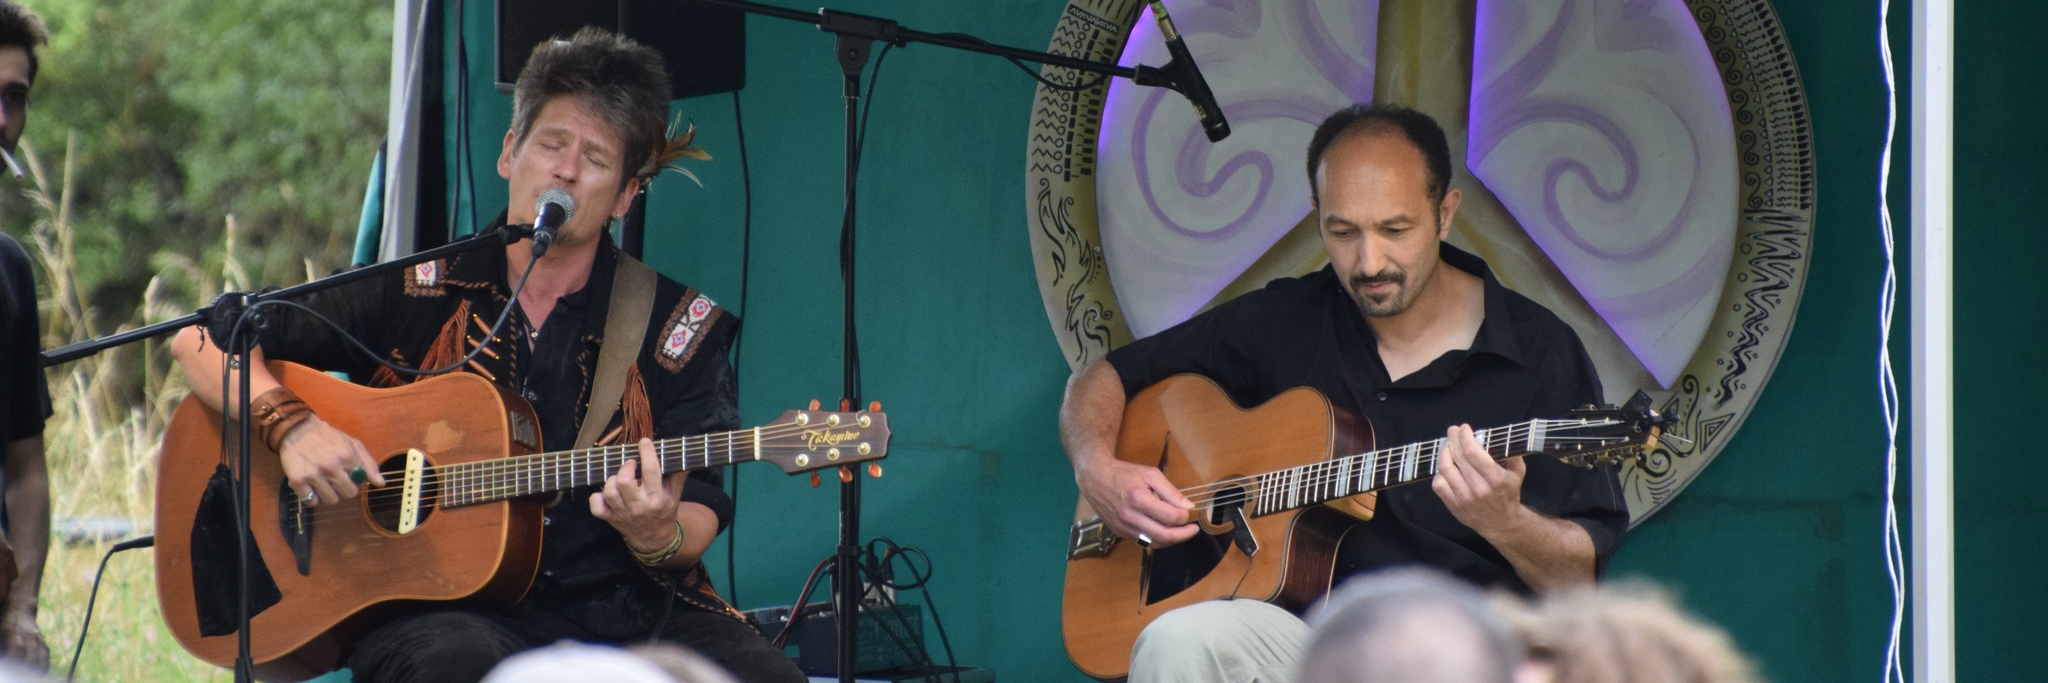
1933 406
401 139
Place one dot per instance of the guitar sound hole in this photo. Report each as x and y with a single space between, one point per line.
384 505
1226 500
1172 570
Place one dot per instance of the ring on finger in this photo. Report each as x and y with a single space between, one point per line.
312 498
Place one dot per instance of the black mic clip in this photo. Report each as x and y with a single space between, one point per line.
225 318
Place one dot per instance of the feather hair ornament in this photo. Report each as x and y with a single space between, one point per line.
676 146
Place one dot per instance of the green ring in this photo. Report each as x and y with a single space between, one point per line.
358 475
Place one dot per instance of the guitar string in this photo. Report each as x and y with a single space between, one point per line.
390 498
1324 473
522 469
1307 478
1514 433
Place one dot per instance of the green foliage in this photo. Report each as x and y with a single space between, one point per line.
177 147
188 112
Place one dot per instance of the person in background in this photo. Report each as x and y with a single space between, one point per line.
24 391
1409 625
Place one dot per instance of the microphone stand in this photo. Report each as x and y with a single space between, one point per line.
856 34
238 308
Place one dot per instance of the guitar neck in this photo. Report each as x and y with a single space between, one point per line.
502 478
1296 487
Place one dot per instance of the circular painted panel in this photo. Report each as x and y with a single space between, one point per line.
1644 168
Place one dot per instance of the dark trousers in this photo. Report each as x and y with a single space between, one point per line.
460 647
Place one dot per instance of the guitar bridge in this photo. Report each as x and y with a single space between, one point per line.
1090 538
296 522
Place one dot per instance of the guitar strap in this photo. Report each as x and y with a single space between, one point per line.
625 328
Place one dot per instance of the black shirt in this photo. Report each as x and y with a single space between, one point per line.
1524 364
24 392
434 313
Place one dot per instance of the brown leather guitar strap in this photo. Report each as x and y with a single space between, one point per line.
625 328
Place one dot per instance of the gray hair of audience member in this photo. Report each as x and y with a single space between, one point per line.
1409 625
1629 632
572 661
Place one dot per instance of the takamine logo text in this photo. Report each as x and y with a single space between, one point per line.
814 438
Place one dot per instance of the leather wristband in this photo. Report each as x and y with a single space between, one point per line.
274 413
659 556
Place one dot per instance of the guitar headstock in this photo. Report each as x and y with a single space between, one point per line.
1604 434
804 440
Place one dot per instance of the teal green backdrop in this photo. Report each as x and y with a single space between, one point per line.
1780 540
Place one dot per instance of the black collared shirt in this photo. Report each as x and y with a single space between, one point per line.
1524 364
435 312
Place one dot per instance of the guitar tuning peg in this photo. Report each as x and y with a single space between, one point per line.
845 475
814 474
814 404
874 407
874 470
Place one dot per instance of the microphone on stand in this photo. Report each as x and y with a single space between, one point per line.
550 211
1187 78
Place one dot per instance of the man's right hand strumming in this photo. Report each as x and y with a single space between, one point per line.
1137 502
320 461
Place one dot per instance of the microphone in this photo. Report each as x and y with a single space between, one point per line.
550 211
1188 78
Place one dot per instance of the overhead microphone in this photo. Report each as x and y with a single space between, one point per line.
550 211
1187 78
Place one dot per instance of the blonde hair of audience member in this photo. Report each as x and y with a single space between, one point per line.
1628 633
572 661
1408 626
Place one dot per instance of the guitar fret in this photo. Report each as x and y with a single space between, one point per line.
1332 482
1294 487
1372 470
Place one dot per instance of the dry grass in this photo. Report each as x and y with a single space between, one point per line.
102 446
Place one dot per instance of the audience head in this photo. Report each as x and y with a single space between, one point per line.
1628 633
571 661
1409 626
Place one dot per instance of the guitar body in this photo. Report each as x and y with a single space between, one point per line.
1196 435
361 571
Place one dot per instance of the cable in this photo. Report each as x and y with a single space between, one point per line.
1099 78
847 259
880 573
746 262
796 610
94 597
358 346
1887 382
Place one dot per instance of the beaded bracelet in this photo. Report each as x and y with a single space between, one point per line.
659 556
274 413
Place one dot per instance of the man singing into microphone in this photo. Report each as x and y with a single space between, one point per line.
619 562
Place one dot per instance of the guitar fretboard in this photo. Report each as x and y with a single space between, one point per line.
492 480
1295 487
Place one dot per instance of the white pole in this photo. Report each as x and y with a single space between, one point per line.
401 139
1933 407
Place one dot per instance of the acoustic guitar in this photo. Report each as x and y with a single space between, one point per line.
459 520
1275 487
